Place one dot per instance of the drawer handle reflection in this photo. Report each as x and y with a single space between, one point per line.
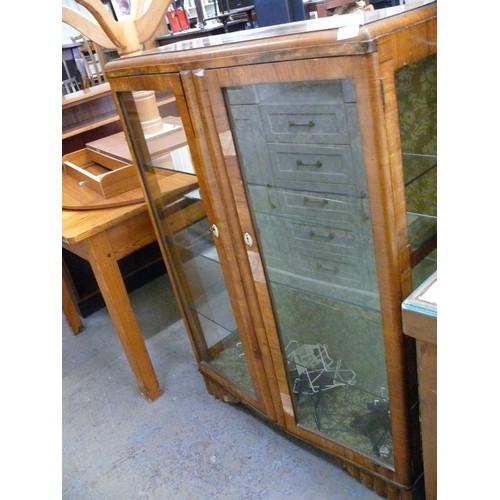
269 190
300 163
328 236
320 267
314 201
310 124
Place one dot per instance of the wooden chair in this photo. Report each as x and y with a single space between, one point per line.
70 85
90 63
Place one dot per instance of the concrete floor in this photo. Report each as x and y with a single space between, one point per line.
185 445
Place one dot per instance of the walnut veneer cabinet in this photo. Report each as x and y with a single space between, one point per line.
315 217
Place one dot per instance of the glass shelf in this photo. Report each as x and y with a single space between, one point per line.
424 269
421 228
212 302
417 166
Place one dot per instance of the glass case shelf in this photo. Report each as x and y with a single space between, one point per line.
213 304
422 228
417 165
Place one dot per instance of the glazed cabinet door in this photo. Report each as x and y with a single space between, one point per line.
305 173
193 238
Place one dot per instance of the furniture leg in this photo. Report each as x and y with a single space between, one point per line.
69 306
107 273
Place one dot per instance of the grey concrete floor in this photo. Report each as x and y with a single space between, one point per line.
185 445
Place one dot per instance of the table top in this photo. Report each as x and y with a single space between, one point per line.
420 312
423 300
78 225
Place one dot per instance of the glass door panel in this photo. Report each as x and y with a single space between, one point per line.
166 167
416 91
300 156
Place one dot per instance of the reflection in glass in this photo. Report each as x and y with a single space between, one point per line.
300 154
166 167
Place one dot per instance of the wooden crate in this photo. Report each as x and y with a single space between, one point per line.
103 174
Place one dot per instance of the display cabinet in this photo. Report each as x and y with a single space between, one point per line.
314 144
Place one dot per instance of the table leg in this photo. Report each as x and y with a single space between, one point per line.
70 310
69 307
107 273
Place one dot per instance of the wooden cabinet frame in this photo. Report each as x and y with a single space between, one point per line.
370 61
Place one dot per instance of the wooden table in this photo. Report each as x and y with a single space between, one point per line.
103 237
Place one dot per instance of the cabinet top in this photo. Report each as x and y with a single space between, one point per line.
349 34
424 299
420 312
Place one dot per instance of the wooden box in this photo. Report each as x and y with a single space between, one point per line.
103 174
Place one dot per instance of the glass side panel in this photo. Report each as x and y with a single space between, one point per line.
166 166
416 91
300 155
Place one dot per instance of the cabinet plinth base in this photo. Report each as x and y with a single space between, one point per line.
382 486
218 392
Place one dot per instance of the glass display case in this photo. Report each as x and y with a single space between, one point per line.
315 217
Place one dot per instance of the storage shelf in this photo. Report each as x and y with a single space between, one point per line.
422 231
417 166
90 124
214 305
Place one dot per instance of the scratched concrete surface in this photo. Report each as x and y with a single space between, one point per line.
186 445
